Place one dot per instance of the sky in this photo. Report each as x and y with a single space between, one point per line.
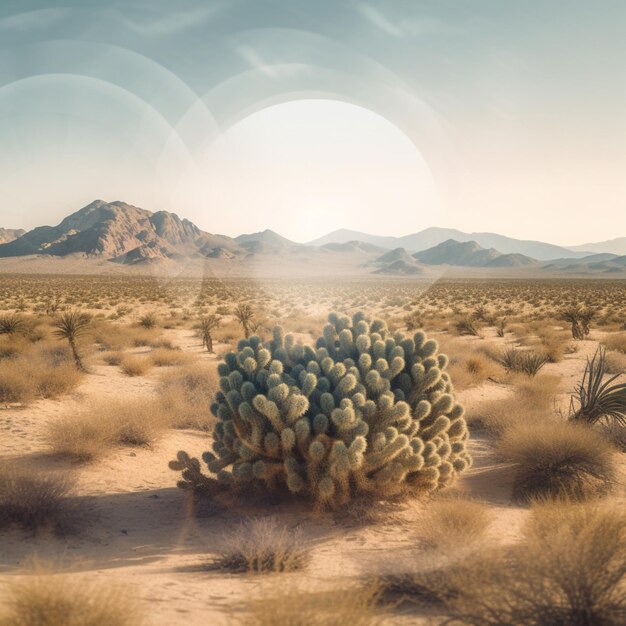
383 116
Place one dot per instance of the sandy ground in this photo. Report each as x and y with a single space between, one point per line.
135 528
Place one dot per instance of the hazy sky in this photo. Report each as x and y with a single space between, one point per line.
304 117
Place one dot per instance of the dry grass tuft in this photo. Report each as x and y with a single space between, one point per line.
186 395
616 341
533 401
570 569
558 460
260 546
166 357
135 365
295 607
40 372
32 500
58 600
93 431
454 522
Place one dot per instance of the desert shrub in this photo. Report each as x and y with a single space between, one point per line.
165 357
533 401
569 569
37 373
472 368
596 398
46 599
186 394
133 365
262 545
615 363
468 326
113 358
297 607
452 522
94 430
615 342
148 321
522 361
558 460
10 323
33 500
364 411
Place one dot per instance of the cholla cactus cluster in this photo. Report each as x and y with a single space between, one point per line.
364 411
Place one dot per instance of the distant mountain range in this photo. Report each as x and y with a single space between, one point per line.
430 237
122 234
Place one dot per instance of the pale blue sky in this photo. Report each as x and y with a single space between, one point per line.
482 115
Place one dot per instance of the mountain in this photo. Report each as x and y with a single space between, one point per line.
452 252
431 237
10 234
614 246
398 262
268 237
353 246
122 233
470 254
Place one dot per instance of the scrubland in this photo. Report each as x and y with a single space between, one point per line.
94 530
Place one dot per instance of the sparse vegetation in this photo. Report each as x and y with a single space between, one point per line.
522 361
46 599
262 546
71 325
556 460
33 500
596 398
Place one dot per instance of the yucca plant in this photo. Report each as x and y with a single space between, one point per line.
596 397
10 323
205 328
71 325
245 315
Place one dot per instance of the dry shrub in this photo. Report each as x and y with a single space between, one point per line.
558 460
186 395
471 370
46 599
33 500
533 401
113 358
41 372
569 569
260 546
135 365
165 357
94 430
615 342
615 363
297 607
454 522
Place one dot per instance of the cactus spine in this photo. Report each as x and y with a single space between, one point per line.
364 410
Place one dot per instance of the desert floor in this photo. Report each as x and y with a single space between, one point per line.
135 528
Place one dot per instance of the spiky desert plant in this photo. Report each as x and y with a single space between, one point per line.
10 323
596 398
572 314
468 326
365 411
244 314
522 361
71 325
206 327
501 327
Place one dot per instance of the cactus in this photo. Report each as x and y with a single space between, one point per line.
365 410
